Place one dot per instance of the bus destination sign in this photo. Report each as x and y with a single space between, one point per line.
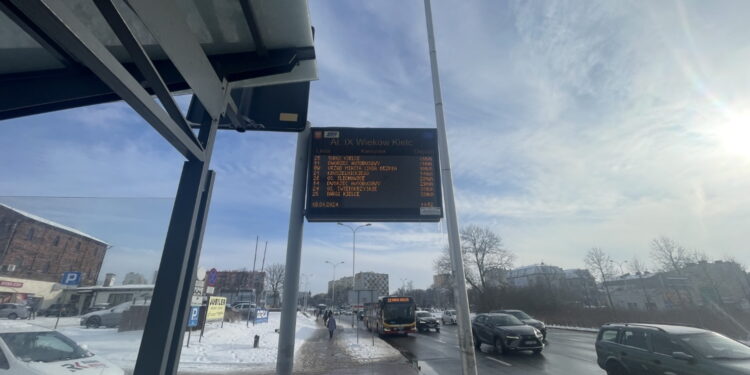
374 174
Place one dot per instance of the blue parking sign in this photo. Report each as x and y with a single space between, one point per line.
71 278
193 320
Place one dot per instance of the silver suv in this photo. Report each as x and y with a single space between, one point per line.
13 311
448 317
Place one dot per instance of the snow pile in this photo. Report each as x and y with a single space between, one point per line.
221 349
572 328
365 351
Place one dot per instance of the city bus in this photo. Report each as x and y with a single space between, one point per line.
391 316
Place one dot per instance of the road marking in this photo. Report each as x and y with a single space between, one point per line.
441 341
499 361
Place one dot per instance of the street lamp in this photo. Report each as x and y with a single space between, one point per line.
333 290
354 247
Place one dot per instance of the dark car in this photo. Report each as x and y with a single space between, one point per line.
526 318
506 333
426 322
62 309
635 349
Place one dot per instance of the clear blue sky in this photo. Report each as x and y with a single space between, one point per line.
571 125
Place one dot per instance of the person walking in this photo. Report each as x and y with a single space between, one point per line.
331 324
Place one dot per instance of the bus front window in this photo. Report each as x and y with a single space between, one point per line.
398 313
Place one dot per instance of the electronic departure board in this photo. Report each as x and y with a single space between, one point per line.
374 174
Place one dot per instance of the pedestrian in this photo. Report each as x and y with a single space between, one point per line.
331 324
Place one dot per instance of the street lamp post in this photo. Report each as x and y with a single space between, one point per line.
354 251
333 284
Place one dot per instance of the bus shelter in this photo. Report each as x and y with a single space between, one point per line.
230 55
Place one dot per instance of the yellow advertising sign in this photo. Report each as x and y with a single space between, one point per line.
216 307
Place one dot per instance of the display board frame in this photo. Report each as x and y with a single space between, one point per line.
404 156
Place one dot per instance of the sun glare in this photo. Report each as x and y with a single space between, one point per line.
735 134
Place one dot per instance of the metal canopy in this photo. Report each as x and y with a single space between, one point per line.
58 54
39 75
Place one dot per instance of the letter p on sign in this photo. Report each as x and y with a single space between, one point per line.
71 278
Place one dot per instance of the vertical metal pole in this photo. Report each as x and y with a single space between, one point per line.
262 267
161 344
285 357
252 285
354 251
465 341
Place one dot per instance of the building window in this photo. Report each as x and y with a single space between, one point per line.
57 241
78 245
30 235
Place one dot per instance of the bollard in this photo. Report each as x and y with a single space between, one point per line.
255 341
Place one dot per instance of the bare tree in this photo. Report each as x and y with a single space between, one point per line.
482 251
601 264
669 255
276 281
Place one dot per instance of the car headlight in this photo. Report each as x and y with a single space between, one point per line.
537 332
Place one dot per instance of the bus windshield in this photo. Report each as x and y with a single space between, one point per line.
398 313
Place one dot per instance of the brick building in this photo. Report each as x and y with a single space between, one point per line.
34 248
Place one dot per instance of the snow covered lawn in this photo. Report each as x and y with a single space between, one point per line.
221 349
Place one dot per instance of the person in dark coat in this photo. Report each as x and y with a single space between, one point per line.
331 324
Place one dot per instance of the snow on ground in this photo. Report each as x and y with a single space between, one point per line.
573 328
220 349
365 351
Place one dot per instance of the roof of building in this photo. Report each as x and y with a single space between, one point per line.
534 269
52 223
118 287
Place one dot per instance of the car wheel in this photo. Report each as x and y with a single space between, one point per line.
93 322
499 346
477 342
615 368
12 316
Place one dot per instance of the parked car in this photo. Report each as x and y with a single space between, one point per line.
526 318
27 349
448 317
14 311
63 309
243 306
426 322
109 317
506 333
634 349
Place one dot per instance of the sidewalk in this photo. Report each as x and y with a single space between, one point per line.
342 355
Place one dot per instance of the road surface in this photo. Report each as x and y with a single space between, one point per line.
566 353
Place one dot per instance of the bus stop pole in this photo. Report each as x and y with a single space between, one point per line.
465 341
285 356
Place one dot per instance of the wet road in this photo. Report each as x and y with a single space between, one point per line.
566 353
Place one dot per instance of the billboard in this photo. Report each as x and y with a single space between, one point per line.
216 308
374 174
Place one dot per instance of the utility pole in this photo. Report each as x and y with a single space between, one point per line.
333 281
263 291
465 341
252 283
354 250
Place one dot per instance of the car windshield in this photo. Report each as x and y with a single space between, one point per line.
424 315
450 312
505 320
43 347
715 346
519 314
